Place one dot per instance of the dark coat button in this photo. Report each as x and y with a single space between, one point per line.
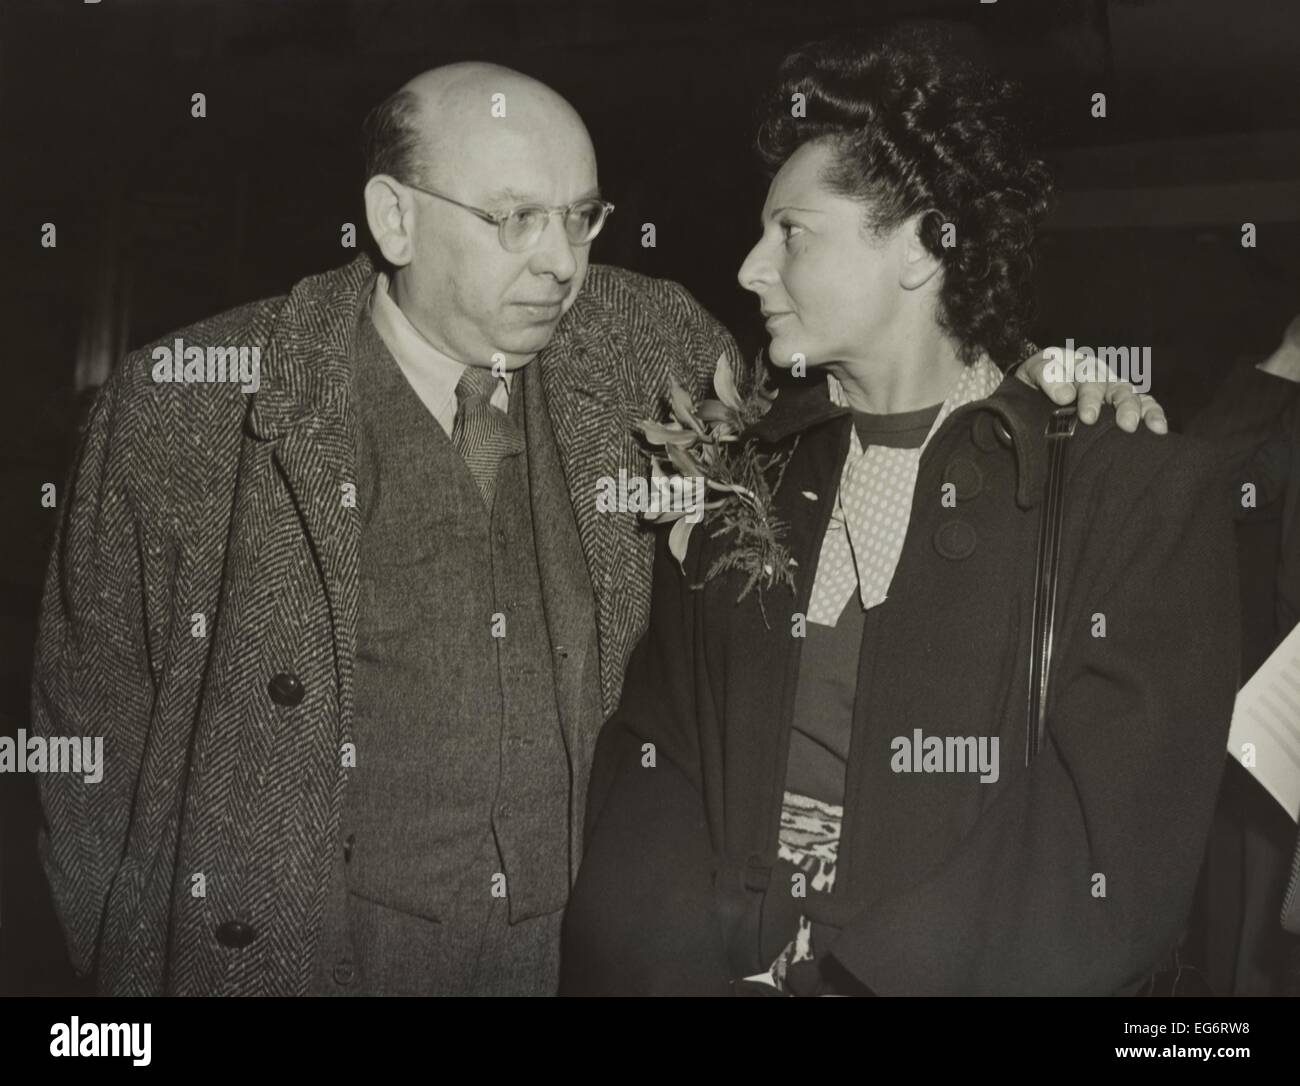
955 539
235 934
965 476
344 972
347 847
286 689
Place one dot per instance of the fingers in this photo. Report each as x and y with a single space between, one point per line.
1131 409
1033 371
1154 415
1128 409
1092 394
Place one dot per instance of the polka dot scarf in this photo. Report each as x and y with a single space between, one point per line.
874 504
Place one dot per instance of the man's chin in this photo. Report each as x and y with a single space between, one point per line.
529 340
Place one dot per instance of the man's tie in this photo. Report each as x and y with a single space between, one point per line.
481 433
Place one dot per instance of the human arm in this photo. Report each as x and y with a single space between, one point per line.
91 677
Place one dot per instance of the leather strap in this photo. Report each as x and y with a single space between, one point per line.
1059 430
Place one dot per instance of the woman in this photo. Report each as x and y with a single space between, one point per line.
824 789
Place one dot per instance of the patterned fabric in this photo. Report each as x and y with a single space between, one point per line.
874 504
810 839
483 434
608 366
188 499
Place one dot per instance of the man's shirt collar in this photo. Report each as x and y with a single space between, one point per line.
432 374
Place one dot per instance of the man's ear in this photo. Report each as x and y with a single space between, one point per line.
916 264
390 214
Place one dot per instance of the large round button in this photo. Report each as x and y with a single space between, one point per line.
286 689
965 476
344 972
955 539
235 934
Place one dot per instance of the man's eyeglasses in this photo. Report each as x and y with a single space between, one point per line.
521 227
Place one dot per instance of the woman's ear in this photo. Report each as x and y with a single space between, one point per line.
916 264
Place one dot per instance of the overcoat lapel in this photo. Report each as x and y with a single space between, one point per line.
586 372
566 586
306 412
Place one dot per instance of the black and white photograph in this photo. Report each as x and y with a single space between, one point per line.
580 499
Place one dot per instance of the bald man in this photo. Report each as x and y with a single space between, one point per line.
349 629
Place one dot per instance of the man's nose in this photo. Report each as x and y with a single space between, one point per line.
553 254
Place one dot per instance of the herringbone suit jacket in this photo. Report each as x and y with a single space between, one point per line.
207 549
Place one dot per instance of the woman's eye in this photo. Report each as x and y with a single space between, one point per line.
790 230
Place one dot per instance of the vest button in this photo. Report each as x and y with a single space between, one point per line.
235 934
344 972
955 539
286 689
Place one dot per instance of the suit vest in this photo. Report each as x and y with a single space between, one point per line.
457 732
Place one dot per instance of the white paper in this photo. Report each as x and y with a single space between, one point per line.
1266 725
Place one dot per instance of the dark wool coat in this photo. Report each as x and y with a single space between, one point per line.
1254 420
944 885
222 750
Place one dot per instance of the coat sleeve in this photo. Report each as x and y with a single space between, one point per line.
641 919
1250 421
91 677
1079 877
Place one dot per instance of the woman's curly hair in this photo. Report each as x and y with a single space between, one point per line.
913 128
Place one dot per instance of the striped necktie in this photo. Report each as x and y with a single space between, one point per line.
482 433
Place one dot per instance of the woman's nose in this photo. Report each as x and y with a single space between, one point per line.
756 270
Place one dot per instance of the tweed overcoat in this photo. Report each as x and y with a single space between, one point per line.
205 575
1072 876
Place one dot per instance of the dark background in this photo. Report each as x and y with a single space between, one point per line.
163 218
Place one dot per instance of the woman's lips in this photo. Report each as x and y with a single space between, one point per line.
772 318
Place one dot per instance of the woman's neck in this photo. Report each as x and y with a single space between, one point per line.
888 382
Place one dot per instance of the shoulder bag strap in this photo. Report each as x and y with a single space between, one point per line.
1059 429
